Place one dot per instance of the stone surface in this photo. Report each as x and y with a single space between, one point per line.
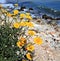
50 49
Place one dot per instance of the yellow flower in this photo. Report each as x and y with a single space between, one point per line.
16 25
28 55
19 44
22 15
31 32
23 24
38 40
30 47
29 17
9 15
23 40
16 12
29 24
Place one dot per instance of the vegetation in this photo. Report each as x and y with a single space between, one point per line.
15 44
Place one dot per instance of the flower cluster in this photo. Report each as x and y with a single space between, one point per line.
16 36
28 48
27 16
20 24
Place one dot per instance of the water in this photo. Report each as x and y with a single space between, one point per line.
44 8
54 5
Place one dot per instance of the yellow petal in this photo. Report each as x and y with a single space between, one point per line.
30 47
22 15
16 25
16 12
31 33
30 24
28 55
38 40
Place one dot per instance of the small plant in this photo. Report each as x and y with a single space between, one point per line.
8 39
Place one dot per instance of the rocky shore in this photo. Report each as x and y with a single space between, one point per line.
50 49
